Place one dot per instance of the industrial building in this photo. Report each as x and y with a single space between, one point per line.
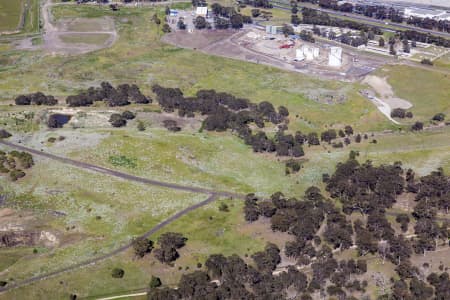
201 11
271 29
426 13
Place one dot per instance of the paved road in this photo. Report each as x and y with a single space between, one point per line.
380 23
123 248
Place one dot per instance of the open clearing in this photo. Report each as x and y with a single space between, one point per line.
72 35
384 90
10 14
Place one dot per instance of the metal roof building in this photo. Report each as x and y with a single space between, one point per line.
201 11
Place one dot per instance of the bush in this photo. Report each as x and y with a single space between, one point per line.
155 282
16 174
437 117
128 115
117 273
4 134
417 126
142 246
117 120
223 207
426 61
398 113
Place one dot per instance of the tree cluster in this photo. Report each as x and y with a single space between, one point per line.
258 3
424 38
4 134
168 243
224 111
312 16
142 246
14 162
237 279
364 187
36 99
433 194
401 113
124 94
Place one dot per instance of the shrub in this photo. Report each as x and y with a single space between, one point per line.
417 126
439 117
16 174
155 282
223 207
4 134
117 120
117 273
426 61
128 115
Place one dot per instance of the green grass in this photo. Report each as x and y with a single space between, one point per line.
443 62
140 57
10 14
428 91
102 213
94 39
208 231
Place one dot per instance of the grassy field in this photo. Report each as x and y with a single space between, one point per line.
99 213
139 57
428 91
95 39
10 14
103 213
222 234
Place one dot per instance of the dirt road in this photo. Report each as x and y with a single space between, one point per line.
123 248
98 169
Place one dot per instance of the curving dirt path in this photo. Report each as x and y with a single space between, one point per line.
123 248
99 169
213 195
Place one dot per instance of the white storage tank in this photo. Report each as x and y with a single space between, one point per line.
335 57
299 54
316 52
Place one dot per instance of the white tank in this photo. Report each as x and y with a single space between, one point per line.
308 52
299 55
335 57
316 52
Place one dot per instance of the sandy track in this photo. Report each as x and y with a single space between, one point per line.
55 31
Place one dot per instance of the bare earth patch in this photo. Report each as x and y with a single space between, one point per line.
385 91
73 35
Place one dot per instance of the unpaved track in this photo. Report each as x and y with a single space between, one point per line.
94 168
213 195
123 248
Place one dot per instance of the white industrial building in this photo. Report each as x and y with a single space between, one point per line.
202 11
271 29
426 13
335 57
